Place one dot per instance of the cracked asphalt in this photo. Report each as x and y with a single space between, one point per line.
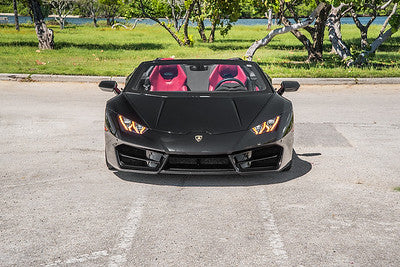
337 206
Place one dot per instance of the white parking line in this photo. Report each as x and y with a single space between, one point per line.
124 244
80 259
275 240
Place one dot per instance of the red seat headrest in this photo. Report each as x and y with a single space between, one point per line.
168 78
168 72
228 71
221 72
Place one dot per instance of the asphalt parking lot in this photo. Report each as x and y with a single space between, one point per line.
337 206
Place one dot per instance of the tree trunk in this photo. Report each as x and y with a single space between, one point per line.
44 34
363 29
212 33
62 23
94 21
200 23
335 36
334 19
362 58
108 21
318 37
16 15
288 28
312 56
314 48
201 29
338 29
186 19
364 37
313 53
174 17
269 19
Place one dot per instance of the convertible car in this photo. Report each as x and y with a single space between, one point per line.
198 116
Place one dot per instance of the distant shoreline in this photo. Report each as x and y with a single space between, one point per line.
122 18
50 16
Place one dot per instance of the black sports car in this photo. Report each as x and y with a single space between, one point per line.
198 116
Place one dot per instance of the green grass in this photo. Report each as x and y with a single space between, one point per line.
397 189
85 50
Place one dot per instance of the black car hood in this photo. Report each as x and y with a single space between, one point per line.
198 113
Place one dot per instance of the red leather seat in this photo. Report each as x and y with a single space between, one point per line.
168 78
226 71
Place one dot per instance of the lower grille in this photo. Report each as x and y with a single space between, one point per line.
183 162
264 158
139 159
259 159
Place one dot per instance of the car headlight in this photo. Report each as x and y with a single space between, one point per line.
267 126
131 126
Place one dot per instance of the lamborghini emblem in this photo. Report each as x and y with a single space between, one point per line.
198 138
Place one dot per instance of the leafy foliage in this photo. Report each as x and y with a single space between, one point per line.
222 13
395 22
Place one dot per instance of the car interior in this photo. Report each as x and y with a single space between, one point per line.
201 78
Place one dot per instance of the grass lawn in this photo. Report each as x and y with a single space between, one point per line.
85 50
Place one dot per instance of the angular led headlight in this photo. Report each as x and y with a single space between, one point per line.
266 126
131 126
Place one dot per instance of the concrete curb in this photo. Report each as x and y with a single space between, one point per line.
338 81
57 78
97 79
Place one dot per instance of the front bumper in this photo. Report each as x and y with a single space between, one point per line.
265 157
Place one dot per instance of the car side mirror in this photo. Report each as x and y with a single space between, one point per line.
288 86
109 86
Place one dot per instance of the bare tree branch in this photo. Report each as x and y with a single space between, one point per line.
387 20
384 6
263 42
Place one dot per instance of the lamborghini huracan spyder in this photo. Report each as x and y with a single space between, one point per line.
198 116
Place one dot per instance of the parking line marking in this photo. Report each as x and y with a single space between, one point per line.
275 240
80 259
127 234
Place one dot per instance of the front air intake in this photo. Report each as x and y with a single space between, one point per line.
138 159
259 159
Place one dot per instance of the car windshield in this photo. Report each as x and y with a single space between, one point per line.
199 77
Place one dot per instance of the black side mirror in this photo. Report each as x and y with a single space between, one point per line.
288 86
109 86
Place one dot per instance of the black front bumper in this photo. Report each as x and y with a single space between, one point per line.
260 159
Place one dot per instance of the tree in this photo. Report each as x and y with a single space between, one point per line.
252 8
111 8
370 8
220 13
284 8
358 59
62 8
173 10
90 8
44 34
289 28
16 15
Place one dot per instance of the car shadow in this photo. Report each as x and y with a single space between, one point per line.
300 167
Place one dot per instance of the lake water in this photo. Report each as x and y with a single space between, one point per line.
80 21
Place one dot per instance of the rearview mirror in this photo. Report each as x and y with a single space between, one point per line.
288 86
109 86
